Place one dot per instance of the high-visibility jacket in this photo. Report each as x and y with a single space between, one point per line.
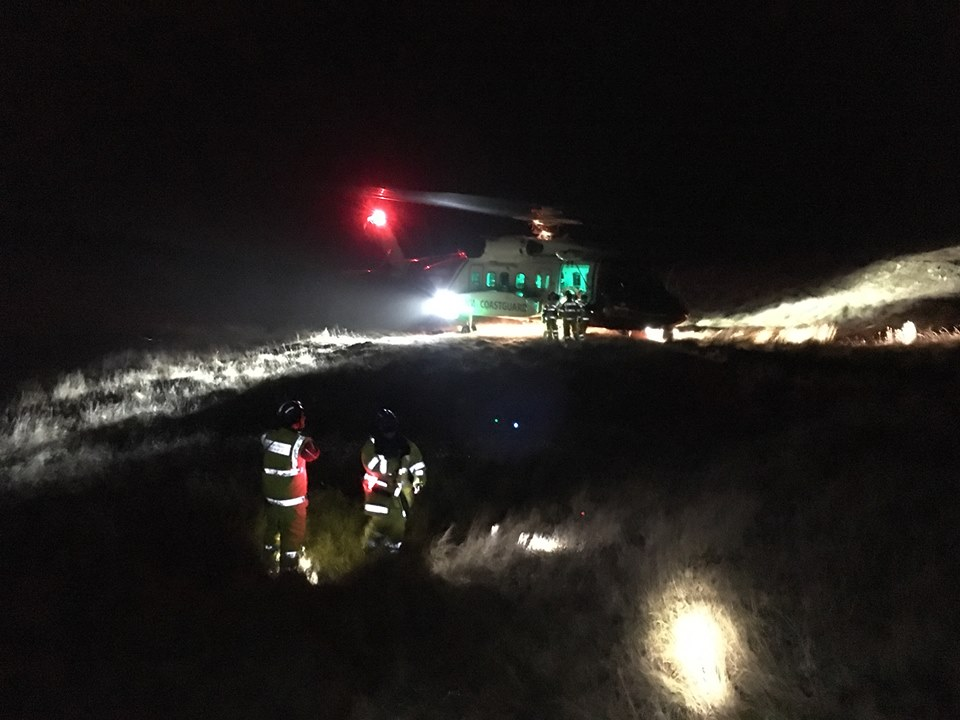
284 468
584 311
570 310
392 474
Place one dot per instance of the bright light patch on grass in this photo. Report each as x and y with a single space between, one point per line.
490 550
540 543
906 335
506 329
799 335
402 340
307 569
860 295
699 650
693 647
654 334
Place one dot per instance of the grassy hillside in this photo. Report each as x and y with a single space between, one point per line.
795 505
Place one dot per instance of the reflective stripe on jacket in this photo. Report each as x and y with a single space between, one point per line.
284 471
386 478
570 310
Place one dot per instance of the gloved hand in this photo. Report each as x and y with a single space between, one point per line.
417 486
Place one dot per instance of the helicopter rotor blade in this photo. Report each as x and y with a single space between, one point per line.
473 203
455 201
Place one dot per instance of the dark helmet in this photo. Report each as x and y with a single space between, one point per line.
290 412
387 421
569 294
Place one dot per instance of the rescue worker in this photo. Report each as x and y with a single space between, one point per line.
570 313
549 313
393 473
286 452
583 320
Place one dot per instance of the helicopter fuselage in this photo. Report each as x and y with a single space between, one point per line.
514 276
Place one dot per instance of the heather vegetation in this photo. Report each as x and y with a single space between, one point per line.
616 529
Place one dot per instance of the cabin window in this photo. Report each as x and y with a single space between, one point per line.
538 281
521 281
491 279
505 281
474 279
574 276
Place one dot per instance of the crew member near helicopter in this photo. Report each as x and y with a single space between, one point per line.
549 313
286 452
583 320
570 313
393 474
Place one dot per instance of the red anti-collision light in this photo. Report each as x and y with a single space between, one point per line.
377 217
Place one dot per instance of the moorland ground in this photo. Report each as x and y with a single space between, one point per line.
804 496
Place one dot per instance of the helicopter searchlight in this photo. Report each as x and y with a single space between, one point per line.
446 305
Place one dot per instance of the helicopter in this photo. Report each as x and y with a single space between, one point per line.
513 276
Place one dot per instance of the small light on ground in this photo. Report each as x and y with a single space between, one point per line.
654 334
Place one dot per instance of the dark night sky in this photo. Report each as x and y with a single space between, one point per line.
172 141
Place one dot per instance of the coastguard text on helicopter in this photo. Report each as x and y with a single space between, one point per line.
499 305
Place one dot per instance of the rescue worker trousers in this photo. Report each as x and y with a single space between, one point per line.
385 529
290 523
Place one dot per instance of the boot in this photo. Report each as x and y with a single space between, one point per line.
290 561
271 559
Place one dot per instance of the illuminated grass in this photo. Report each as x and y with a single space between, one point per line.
799 498
335 529
861 294
37 431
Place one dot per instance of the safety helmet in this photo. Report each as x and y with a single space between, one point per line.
387 421
290 412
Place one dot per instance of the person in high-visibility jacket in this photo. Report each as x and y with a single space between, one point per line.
286 452
583 321
549 313
393 474
570 311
